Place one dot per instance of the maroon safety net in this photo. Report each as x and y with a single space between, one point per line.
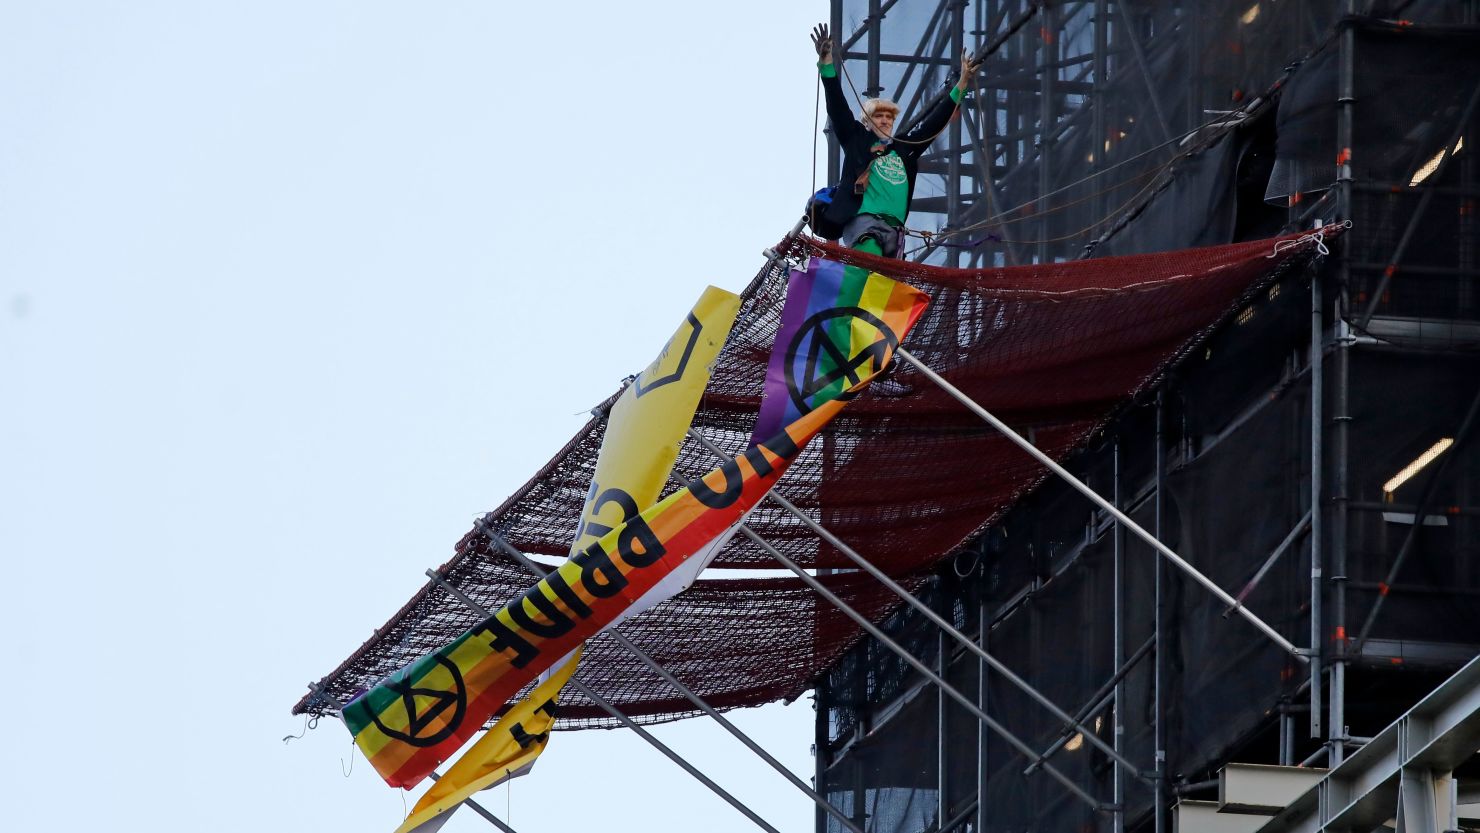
905 475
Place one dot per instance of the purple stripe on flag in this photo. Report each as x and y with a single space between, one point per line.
808 292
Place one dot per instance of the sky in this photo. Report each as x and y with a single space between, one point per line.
290 293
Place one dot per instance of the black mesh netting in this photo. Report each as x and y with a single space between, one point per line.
905 474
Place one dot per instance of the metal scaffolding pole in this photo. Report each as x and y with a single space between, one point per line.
1287 735
1098 124
942 703
820 754
657 668
1098 701
875 30
983 154
925 670
481 810
1117 639
1317 520
834 150
953 165
936 618
1134 39
1120 516
1043 100
1279 551
612 710
983 622
1159 630
940 11
982 148
837 28
987 51
1341 421
1047 47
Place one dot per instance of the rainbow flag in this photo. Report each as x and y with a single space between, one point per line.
837 322
419 716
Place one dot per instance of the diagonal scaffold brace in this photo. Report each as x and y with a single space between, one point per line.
949 629
1125 520
951 691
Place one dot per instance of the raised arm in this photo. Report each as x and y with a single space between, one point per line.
844 123
936 118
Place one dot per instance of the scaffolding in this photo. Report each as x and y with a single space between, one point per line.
1102 127
1063 669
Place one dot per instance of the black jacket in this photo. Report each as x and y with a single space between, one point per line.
856 140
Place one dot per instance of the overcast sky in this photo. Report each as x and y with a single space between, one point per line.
289 293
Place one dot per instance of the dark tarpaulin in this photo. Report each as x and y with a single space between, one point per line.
1206 179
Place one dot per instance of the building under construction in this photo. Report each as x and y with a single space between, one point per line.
1294 421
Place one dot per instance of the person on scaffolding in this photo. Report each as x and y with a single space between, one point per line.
872 200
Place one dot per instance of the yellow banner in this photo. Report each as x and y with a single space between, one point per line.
644 430
505 751
649 420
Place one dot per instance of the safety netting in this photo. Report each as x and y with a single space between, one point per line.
906 475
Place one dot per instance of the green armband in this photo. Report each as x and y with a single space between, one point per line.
956 94
827 70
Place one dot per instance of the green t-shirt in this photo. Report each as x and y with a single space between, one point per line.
888 191
887 194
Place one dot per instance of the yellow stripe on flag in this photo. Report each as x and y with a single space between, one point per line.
875 295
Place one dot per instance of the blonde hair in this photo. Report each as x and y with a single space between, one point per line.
873 104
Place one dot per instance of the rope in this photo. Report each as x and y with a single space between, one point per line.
308 723
1002 218
1059 239
997 219
1091 176
1317 236
956 563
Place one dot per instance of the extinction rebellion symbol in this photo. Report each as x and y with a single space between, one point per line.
440 690
817 370
670 364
